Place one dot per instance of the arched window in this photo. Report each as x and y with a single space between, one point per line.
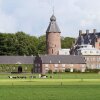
52 51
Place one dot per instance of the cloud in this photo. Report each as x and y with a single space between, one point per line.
33 16
90 10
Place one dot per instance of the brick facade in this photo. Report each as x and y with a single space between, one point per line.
53 42
59 63
62 67
92 62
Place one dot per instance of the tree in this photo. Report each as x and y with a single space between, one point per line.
42 44
21 43
67 42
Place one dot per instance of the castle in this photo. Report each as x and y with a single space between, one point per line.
57 59
84 54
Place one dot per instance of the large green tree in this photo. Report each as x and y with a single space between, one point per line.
21 43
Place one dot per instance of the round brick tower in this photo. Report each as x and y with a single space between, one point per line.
53 40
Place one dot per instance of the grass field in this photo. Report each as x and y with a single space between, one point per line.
61 87
75 92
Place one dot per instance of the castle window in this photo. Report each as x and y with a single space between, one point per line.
35 70
85 51
88 59
46 68
39 70
97 59
93 59
52 51
46 65
56 65
63 65
38 65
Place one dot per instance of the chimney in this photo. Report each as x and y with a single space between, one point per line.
87 31
94 31
80 32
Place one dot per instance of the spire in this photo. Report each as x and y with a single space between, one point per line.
53 27
53 18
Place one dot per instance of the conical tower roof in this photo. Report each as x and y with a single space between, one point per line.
53 27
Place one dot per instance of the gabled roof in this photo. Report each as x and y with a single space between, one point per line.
54 59
53 27
16 59
62 59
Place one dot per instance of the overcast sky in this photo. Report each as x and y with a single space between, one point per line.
33 16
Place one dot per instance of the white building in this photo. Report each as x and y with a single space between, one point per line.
87 50
64 52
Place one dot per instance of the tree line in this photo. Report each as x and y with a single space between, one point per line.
21 44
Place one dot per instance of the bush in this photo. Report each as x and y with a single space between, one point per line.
55 72
93 70
76 70
67 70
50 71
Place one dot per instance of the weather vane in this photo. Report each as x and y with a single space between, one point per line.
53 9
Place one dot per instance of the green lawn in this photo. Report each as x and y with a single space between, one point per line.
73 92
61 87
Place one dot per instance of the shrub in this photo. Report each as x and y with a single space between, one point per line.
55 72
50 71
93 70
76 70
67 70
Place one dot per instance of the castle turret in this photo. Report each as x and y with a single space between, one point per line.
53 40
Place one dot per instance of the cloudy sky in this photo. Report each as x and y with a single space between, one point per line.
33 16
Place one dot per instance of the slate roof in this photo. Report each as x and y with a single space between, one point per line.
62 59
89 38
53 27
16 59
54 59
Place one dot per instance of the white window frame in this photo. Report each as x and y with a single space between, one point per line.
56 65
63 65
46 65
